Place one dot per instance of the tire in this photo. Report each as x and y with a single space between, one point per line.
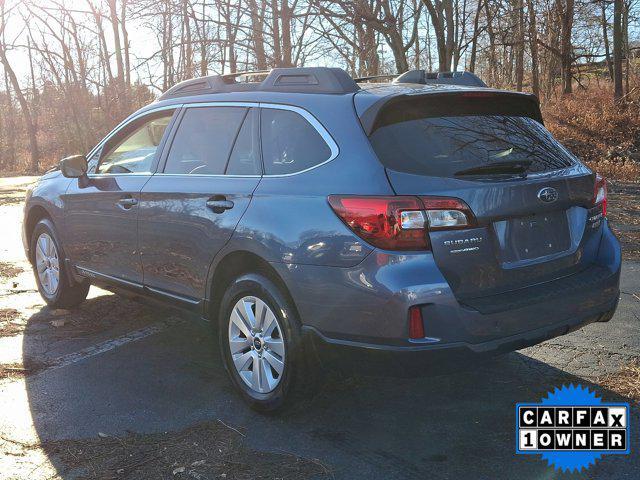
55 285
293 382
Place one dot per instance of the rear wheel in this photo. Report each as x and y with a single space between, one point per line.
260 343
50 270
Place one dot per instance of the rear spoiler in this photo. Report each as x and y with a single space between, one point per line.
454 102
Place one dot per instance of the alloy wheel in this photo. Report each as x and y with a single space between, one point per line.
47 264
257 345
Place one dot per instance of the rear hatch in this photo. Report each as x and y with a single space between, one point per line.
531 198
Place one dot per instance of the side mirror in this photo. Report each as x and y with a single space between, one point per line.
74 166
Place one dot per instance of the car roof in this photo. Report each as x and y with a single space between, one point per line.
313 87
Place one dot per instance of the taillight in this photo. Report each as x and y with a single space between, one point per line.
400 222
600 193
446 213
390 223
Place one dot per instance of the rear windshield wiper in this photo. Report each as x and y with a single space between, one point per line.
519 167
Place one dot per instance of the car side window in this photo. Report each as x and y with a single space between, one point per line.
245 156
290 143
133 150
204 139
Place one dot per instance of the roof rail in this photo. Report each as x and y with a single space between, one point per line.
374 77
452 78
292 80
247 74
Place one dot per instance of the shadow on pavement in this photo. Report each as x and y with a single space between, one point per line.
458 425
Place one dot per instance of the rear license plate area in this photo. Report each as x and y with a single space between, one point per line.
537 235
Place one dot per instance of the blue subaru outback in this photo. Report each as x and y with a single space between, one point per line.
308 213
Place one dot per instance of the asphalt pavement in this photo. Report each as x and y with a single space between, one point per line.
113 366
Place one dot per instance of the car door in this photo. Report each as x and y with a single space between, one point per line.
189 211
101 209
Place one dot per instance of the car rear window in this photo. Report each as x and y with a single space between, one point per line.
443 139
290 143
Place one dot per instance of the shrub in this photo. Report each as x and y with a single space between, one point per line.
604 135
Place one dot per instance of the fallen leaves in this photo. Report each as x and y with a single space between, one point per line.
10 323
625 382
10 270
205 451
20 370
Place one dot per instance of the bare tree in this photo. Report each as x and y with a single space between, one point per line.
566 12
533 46
24 105
442 19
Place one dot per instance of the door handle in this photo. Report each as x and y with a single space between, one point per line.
219 204
127 202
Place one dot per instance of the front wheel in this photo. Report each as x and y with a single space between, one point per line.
260 343
50 270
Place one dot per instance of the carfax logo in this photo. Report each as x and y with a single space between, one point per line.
572 427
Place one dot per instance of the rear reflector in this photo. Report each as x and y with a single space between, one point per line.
600 193
401 222
416 325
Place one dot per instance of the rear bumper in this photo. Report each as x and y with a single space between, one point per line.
416 360
364 309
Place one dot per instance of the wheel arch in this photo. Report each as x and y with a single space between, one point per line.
34 215
231 266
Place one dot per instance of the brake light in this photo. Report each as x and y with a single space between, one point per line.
400 222
478 94
600 193
390 223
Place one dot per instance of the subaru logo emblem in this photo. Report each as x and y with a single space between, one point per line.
548 194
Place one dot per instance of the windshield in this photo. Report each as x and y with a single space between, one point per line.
444 146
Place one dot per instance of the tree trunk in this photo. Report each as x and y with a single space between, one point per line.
10 121
188 50
257 38
396 43
26 113
82 66
566 53
474 40
450 27
204 63
493 60
286 16
437 15
416 56
231 31
519 44
552 67
116 40
103 44
605 38
125 41
533 46
625 41
617 49
277 52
